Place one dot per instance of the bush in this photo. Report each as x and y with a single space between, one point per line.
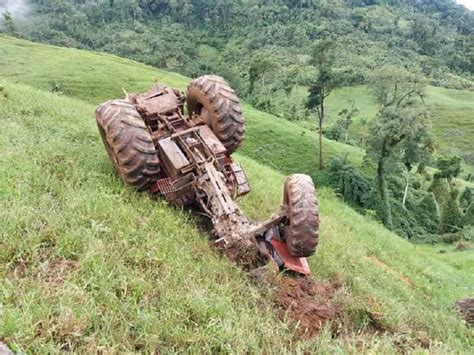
466 199
335 132
468 218
451 219
426 213
348 181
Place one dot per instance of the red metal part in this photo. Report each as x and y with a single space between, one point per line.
299 265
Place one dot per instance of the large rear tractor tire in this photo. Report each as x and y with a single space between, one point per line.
302 229
128 143
215 101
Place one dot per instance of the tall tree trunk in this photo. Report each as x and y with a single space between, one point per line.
382 189
405 194
320 150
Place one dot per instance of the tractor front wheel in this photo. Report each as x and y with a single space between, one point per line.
302 229
128 143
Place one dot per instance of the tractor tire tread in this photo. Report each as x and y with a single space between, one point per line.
215 94
302 231
128 143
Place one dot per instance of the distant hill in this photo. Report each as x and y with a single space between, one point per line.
96 77
263 47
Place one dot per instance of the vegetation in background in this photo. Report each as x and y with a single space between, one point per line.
196 37
264 48
283 145
323 54
401 129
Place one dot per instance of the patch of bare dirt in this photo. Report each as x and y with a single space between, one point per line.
466 309
379 263
462 246
306 303
245 256
56 271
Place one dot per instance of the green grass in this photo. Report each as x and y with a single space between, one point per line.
461 260
95 77
453 120
452 110
89 265
92 77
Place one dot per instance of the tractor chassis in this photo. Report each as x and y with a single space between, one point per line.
214 182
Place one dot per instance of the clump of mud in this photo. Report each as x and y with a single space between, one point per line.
300 300
462 246
466 309
246 257
306 303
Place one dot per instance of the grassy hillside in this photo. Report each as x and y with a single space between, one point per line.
452 110
95 78
89 265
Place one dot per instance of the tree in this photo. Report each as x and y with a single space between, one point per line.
345 118
348 181
416 149
323 54
466 199
449 169
264 72
401 126
9 25
451 219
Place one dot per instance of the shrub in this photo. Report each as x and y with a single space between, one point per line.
468 218
451 219
426 213
466 199
348 181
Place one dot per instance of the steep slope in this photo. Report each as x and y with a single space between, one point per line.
452 112
95 77
89 265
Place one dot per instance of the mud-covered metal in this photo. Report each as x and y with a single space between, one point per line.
196 167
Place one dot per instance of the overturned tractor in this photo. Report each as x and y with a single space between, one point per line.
155 146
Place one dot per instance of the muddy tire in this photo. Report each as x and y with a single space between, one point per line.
215 101
302 229
128 143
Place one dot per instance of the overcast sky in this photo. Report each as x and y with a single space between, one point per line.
468 3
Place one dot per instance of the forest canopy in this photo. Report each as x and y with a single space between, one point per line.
264 46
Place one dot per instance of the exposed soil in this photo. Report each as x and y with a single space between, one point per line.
247 257
301 301
306 303
57 270
466 309
462 246
379 263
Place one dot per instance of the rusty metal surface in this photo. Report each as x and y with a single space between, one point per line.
172 156
211 140
161 100
241 181
196 167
